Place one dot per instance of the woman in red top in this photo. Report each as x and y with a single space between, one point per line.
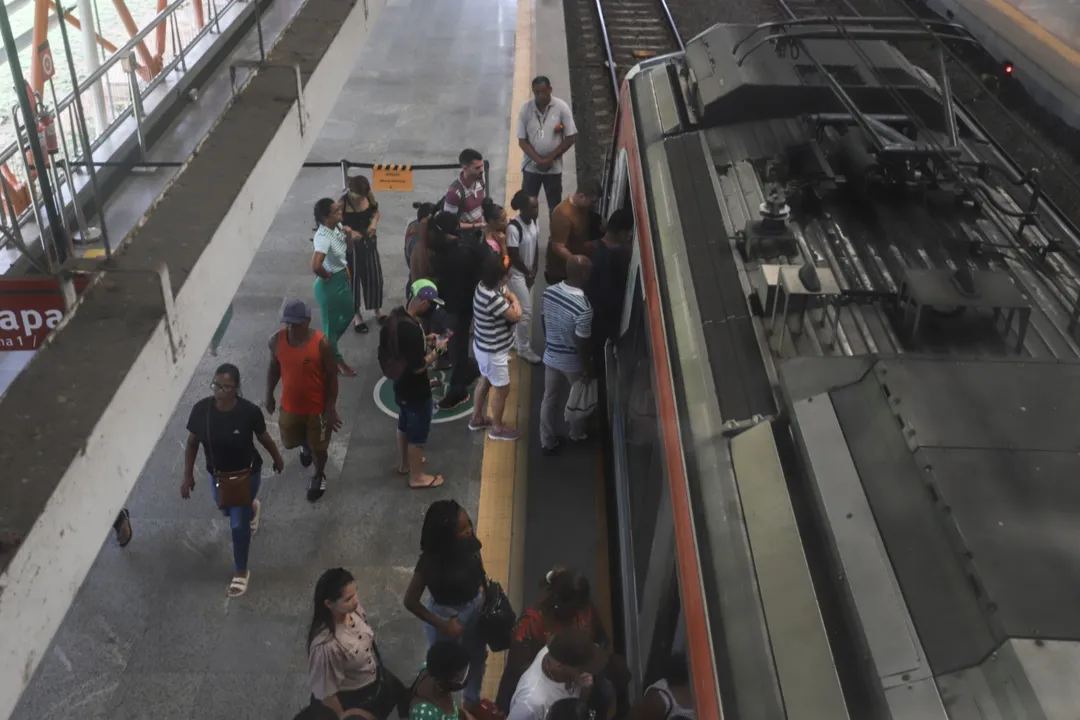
566 603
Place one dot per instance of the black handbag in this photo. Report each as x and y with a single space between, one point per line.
497 618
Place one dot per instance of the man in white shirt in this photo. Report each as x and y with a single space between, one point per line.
522 246
564 669
546 130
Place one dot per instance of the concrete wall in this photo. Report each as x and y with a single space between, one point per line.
88 410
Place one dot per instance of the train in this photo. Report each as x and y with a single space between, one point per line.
841 451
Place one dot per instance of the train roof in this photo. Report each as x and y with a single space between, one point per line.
868 265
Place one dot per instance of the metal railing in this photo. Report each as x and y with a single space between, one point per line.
124 89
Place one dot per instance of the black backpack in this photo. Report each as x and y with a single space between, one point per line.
391 361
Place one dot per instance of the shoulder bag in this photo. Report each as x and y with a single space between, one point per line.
233 488
497 618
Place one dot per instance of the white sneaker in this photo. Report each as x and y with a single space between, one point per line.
529 356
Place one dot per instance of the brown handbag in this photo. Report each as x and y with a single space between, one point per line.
233 488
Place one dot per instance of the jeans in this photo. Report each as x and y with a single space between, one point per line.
523 327
469 616
554 383
550 182
240 522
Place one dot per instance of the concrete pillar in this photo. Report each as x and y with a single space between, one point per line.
93 62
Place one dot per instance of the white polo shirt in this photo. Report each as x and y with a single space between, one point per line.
542 131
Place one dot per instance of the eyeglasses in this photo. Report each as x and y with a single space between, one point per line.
218 386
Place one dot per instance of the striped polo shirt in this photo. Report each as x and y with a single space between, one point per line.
567 315
465 202
333 244
491 330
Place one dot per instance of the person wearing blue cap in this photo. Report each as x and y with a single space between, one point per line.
405 354
303 360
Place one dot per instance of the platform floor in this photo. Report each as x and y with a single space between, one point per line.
151 633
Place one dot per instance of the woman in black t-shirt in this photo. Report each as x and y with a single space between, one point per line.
451 570
227 425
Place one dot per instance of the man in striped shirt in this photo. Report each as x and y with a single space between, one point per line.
465 196
568 317
495 310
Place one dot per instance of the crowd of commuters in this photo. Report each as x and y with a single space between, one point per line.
559 649
468 305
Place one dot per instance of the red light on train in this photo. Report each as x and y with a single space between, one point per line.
1008 68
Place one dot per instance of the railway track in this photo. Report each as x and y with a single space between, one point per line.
1030 135
613 36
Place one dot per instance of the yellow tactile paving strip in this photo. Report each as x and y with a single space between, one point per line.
1034 28
502 476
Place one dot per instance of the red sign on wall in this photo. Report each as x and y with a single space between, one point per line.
30 308
44 53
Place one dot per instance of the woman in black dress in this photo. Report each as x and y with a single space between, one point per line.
361 213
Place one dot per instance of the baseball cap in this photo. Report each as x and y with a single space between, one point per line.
294 312
424 289
448 223
575 648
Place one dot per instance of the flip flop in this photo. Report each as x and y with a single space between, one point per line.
239 585
436 481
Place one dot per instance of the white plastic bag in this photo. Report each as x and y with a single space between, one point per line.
582 401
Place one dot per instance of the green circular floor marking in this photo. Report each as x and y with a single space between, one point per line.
384 398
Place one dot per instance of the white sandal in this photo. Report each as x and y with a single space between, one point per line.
239 585
256 508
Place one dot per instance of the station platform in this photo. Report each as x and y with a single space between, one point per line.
151 632
1040 38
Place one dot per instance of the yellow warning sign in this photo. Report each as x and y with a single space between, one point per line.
398 178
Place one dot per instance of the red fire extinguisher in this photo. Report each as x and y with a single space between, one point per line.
47 131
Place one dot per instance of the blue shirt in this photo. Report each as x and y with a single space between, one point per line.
334 245
567 315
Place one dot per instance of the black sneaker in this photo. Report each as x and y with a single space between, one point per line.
316 488
305 456
453 400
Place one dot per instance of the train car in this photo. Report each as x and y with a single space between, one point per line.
842 396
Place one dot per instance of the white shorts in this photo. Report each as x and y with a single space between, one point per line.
495 367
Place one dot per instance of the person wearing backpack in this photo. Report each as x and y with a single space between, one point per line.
522 245
465 196
404 357
456 261
417 252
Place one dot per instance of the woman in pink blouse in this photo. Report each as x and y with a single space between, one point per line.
344 670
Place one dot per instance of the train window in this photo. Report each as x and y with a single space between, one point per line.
619 189
643 454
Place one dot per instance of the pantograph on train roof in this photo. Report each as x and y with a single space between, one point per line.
918 140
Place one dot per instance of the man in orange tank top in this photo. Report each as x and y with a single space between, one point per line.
304 361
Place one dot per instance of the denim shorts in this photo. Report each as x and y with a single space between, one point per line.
414 419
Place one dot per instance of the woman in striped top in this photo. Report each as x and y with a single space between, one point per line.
495 310
329 263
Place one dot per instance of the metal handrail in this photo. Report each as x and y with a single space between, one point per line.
98 75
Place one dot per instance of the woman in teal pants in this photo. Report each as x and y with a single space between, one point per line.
332 289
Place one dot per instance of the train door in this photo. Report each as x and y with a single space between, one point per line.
651 606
